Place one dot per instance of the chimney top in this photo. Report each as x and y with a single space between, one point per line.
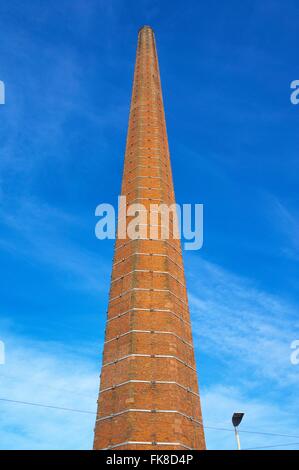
145 27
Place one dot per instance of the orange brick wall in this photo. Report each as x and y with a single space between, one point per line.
149 395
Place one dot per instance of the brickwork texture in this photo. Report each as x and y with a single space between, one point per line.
149 397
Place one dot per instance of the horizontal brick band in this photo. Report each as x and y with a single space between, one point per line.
151 332
136 410
148 157
143 443
152 225
143 166
151 239
144 187
150 382
148 254
149 177
145 199
143 289
153 356
149 310
148 271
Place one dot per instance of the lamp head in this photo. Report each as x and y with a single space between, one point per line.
237 418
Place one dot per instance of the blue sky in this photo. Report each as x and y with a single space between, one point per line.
226 69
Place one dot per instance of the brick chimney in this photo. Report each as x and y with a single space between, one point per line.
149 396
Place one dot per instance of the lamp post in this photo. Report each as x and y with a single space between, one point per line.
236 420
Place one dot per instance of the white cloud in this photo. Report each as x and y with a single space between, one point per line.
240 329
287 222
53 374
239 324
50 374
245 335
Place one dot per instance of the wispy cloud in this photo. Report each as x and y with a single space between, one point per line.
50 374
243 326
261 416
286 221
235 321
242 336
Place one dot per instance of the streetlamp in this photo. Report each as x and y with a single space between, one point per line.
236 420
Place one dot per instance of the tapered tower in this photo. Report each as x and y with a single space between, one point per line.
149 396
